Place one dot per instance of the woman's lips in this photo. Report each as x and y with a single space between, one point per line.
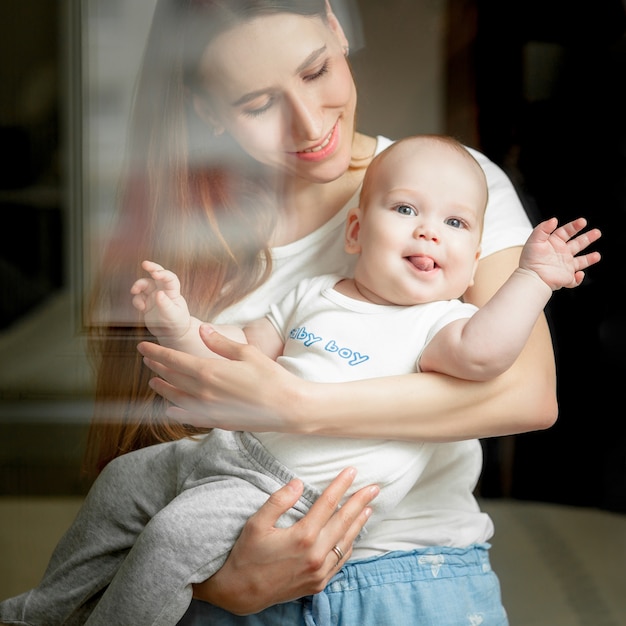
321 150
322 145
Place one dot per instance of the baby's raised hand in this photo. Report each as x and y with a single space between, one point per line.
159 299
553 253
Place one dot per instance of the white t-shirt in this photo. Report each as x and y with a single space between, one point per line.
440 508
330 337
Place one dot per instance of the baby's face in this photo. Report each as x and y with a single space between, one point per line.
418 234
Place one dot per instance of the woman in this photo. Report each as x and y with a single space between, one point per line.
244 161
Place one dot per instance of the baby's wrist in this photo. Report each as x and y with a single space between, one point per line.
176 342
523 271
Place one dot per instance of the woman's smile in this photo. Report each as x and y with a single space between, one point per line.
322 150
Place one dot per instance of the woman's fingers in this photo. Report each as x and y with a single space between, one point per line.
279 503
187 382
354 514
176 379
332 528
326 523
246 391
167 362
218 343
326 512
186 407
325 535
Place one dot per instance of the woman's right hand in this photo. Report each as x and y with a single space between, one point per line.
270 565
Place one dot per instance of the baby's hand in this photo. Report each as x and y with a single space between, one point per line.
159 299
551 252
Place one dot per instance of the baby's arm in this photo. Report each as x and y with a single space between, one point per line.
167 317
485 345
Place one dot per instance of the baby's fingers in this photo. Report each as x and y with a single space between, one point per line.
586 260
142 285
151 266
583 241
571 229
581 263
139 302
575 238
166 279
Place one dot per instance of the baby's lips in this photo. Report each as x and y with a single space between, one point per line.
423 263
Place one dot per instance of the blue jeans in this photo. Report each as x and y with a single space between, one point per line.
427 587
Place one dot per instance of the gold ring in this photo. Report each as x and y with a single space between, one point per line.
339 552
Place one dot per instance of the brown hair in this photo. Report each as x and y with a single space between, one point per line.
189 200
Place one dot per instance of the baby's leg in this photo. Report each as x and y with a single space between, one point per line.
186 542
189 540
128 493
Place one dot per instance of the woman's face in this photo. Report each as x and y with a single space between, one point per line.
281 87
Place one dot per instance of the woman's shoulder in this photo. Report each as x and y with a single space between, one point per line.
382 143
366 147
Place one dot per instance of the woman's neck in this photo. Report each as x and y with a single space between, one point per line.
306 206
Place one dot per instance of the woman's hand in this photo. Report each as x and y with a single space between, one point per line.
244 391
270 565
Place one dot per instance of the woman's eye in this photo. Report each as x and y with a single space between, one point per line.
259 110
256 111
405 209
318 74
455 222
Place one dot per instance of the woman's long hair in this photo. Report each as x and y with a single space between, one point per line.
188 200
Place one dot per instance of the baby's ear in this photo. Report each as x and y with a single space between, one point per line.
476 260
353 227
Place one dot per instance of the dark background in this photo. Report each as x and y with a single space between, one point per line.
538 86
566 151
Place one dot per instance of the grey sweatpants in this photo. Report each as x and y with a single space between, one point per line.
154 522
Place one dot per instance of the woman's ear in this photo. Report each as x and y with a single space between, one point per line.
336 27
204 112
353 227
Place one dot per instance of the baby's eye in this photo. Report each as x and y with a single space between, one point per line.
405 209
455 222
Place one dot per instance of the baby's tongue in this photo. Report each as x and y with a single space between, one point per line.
423 263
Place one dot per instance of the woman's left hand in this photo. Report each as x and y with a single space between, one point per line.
246 391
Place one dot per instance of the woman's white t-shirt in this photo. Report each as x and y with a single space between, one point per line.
440 509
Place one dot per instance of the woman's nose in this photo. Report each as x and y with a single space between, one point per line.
306 118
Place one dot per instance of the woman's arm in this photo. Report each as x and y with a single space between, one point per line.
249 391
433 407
